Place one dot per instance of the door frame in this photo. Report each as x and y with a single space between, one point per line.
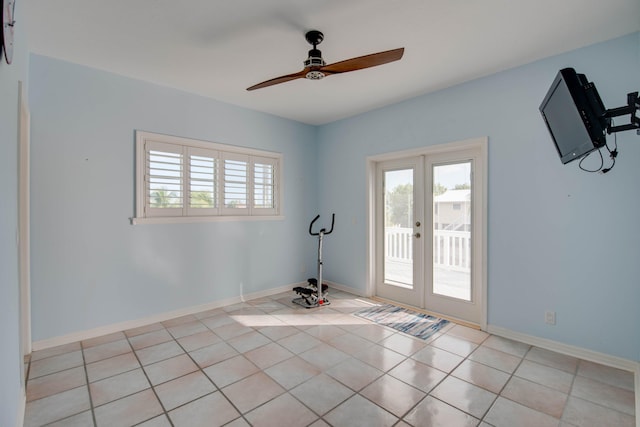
24 215
481 144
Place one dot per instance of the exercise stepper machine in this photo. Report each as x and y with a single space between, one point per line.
309 295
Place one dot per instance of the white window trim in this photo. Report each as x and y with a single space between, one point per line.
185 214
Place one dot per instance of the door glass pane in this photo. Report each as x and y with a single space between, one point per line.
452 230
398 227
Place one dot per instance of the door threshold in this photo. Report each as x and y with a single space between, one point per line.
429 313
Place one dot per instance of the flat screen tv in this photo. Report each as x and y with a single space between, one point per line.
574 114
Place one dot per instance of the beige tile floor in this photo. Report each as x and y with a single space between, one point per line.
268 362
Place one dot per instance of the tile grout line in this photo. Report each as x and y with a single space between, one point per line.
573 380
448 374
74 388
201 369
164 410
429 341
86 377
386 372
288 392
575 377
499 394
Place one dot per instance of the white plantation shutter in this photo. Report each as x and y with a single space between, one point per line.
264 185
164 179
203 182
185 178
236 184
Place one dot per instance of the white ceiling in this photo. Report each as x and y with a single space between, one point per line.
218 48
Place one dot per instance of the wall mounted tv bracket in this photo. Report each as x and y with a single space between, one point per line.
632 107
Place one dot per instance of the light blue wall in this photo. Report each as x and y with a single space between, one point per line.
90 266
558 238
10 357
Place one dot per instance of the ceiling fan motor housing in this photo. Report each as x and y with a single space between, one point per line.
314 61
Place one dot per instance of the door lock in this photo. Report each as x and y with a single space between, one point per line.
417 223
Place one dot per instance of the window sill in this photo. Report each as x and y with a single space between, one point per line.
193 219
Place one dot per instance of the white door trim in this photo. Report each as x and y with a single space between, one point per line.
480 143
24 220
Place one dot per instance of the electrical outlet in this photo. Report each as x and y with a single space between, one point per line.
550 317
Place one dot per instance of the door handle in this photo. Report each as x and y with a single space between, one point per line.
417 235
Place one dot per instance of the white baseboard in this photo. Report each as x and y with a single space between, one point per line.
345 288
130 324
569 350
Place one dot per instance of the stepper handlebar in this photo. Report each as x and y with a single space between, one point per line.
322 230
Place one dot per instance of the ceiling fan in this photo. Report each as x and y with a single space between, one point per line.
315 67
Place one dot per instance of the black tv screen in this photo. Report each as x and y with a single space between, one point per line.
574 114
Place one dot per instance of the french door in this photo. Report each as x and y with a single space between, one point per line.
428 233
400 202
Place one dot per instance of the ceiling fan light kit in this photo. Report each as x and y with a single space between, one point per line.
314 75
315 68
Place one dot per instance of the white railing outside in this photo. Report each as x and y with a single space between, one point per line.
451 249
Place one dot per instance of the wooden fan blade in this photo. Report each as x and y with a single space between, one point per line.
281 79
365 61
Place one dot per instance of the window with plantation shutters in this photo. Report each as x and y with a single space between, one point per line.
184 180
